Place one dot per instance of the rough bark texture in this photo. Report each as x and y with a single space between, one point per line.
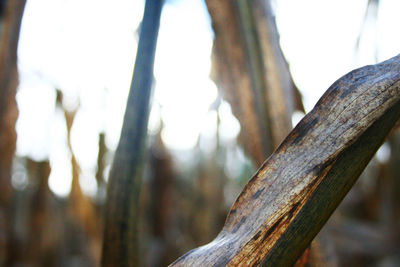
10 16
120 243
298 187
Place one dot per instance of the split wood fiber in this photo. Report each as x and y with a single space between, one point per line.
298 187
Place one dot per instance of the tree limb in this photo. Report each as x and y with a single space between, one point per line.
298 187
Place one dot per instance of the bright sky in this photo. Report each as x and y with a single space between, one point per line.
87 49
319 39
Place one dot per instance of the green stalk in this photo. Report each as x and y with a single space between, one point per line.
121 243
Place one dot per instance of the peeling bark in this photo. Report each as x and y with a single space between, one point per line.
298 187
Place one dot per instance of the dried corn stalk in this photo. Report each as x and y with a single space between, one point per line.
293 194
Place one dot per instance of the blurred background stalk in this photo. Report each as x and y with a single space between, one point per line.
120 241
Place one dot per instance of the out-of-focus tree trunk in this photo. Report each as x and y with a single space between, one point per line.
280 92
161 209
37 227
121 242
44 239
10 24
249 68
392 216
230 72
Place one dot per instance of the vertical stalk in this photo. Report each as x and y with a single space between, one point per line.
256 71
120 244
10 23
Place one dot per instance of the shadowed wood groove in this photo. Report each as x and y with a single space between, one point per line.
298 187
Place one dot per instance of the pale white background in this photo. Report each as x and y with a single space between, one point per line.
87 49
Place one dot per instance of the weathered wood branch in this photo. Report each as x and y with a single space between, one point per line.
120 241
298 187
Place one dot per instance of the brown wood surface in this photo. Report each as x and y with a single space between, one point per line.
298 187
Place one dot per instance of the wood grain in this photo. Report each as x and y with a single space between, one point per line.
298 187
